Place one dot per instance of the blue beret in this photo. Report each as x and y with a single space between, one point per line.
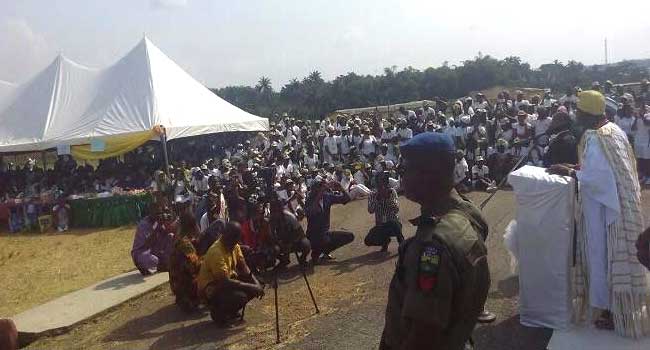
429 142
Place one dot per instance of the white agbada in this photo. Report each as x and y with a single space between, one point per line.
600 208
609 222
642 139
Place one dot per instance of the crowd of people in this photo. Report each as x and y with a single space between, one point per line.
229 209
262 188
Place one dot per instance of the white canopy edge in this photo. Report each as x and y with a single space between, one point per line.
68 103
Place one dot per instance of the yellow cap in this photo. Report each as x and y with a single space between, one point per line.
592 102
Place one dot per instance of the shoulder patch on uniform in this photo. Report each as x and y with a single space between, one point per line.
428 266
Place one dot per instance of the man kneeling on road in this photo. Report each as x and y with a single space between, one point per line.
225 282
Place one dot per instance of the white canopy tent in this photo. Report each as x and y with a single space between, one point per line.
70 104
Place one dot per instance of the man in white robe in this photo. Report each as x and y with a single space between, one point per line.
608 276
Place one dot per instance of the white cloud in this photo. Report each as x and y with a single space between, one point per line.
165 4
22 50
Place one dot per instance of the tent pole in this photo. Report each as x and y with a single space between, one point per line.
163 140
44 159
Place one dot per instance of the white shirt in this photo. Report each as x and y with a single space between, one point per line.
368 146
483 171
572 99
357 140
391 153
311 162
386 136
180 187
481 105
481 131
541 125
359 178
331 144
199 185
506 135
282 194
521 129
460 171
405 133
411 114
345 142
625 124
642 140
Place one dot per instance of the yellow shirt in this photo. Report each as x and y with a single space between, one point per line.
218 264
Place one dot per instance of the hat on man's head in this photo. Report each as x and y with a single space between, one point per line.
591 102
429 142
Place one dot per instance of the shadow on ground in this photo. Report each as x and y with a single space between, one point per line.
506 289
173 329
351 264
510 334
121 282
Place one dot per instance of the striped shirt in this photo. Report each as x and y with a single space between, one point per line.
385 209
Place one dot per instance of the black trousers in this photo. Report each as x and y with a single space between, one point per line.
225 302
331 241
302 247
380 235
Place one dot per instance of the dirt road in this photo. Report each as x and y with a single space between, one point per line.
351 293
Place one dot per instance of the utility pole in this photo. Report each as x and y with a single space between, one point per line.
606 60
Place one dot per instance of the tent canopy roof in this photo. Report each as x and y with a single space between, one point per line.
68 103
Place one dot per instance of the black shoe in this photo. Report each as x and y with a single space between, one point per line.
218 318
327 257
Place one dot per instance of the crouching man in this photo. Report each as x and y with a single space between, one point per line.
288 235
225 282
383 203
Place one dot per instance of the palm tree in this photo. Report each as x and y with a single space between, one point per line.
315 77
264 85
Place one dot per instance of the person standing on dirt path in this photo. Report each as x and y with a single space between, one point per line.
442 278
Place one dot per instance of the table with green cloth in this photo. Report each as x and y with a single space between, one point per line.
110 211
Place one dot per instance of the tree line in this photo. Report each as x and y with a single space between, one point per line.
313 97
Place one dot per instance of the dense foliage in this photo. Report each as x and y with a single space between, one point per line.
314 97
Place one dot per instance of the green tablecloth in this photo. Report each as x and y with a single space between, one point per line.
109 212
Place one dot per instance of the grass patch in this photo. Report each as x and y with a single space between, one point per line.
37 268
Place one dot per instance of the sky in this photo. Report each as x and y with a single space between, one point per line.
235 42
